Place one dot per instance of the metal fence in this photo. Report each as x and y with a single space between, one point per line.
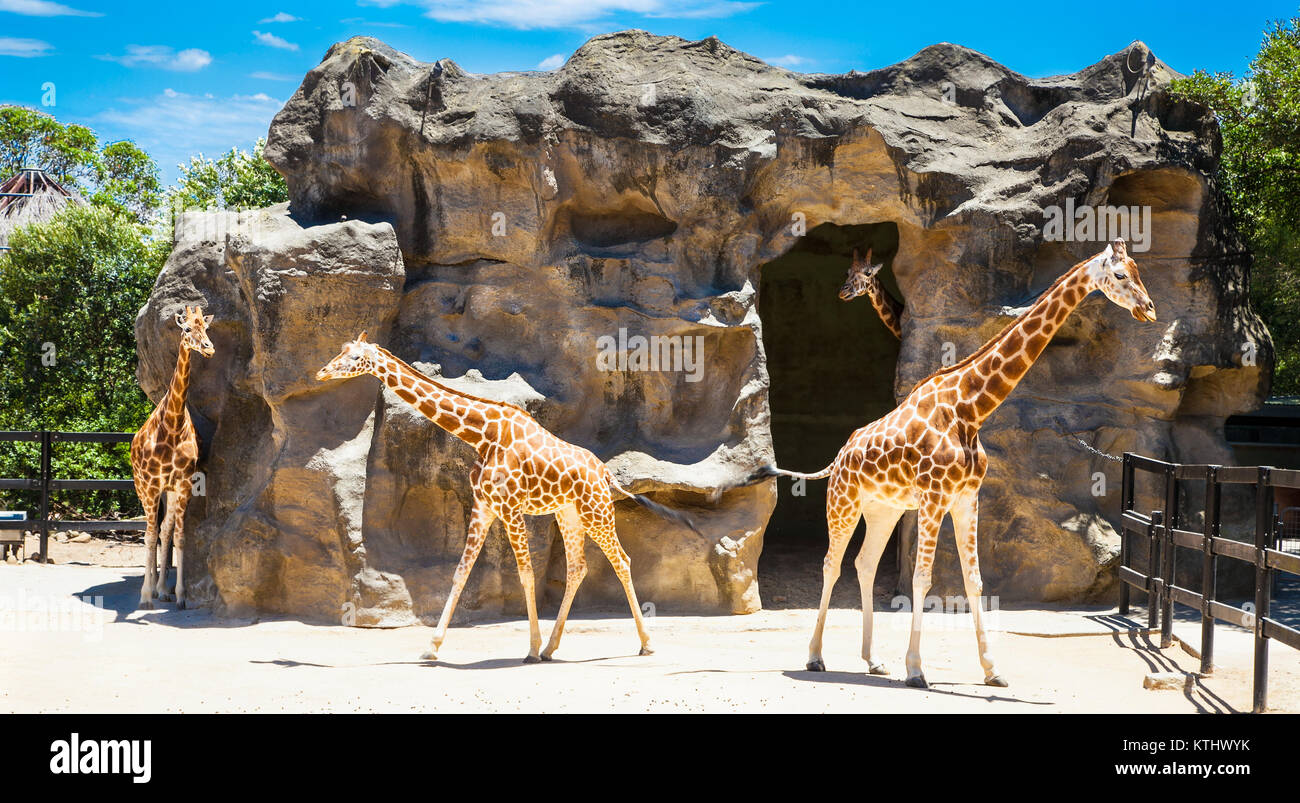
46 483
1162 533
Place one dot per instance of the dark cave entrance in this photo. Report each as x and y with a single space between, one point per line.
831 366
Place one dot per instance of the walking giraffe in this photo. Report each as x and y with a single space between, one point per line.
863 278
522 470
164 456
926 455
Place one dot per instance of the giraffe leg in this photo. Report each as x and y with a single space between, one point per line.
929 517
576 562
179 500
165 535
479 523
517 532
965 520
842 513
151 551
600 525
880 525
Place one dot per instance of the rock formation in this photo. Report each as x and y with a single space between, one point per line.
502 231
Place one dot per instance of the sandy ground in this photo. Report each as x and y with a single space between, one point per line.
116 659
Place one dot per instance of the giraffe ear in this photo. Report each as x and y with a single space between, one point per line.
180 319
207 320
361 338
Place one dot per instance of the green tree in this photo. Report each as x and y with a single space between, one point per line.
29 138
237 180
72 287
127 179
1259 117
119 175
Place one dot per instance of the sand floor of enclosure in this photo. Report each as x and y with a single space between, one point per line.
118 659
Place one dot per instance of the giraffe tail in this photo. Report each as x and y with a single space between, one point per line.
772 471
654 507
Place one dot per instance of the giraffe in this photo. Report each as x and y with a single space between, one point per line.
861 279
522 469
926 456
164 454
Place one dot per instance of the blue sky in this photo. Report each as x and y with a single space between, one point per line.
192 77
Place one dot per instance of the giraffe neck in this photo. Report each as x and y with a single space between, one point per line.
995 370
889 310
461 416
174 404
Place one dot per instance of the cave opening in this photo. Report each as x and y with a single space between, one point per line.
831 366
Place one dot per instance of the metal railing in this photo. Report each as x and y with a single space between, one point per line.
46 483
1163 534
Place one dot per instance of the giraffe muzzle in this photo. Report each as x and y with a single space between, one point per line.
1147 313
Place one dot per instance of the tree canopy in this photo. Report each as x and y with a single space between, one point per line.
1259 116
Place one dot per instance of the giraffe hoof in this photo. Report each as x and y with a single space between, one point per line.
817 666
164 597
146 605
917 682
877 669
180 603
646 651
533 659
996 680
546 657
429 655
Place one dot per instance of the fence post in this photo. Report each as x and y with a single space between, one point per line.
1153 568
1125 505
1263 540
1167 555
1209 567
45 496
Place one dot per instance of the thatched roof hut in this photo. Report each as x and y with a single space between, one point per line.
31 196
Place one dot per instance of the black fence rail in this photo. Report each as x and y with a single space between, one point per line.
1162 532
46 483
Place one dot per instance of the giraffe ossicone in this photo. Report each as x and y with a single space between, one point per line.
926 456
522 470
164 457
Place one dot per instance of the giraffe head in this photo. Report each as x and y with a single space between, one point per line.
357 357
194 330
1114 273
861 272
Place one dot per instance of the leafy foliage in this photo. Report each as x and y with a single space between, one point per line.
127 180
1259 117
237 180
119 175
29 138
71 289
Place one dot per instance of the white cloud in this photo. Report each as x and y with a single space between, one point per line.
705 10
279 17
271 40
551 62
174 126
23 48
363 21
262 75
528 14
788 60
44 8
188 60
